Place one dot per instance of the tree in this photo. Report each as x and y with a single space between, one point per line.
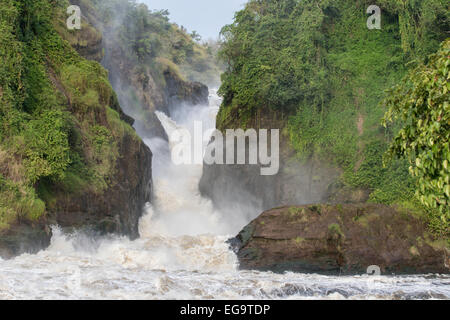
196 36
421 101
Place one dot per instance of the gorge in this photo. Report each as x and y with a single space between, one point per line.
92 206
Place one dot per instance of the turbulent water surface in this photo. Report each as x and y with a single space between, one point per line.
182 253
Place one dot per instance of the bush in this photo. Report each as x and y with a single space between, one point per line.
317 64
47 147
421 102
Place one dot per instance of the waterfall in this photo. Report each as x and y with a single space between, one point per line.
178 207
182 252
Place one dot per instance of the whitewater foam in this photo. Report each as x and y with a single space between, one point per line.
182 252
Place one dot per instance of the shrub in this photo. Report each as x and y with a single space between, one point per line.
46 146
421 102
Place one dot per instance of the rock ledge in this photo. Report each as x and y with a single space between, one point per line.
340 239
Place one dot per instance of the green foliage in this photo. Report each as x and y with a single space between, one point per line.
146 36
335 233
86 83
421 24
421 102
331 137
274 56
58 132
317 64
17 200
46 148
388 185
11 87
118 127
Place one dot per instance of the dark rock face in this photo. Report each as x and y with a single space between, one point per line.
140 90
179 91
24 237
115 210
89 43
244 184
296 182
341 239
148 94
118 209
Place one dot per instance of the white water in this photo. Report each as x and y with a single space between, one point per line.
182 252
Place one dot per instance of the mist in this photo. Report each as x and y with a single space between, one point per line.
178 208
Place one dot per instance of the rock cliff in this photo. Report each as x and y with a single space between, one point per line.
143 83
107 181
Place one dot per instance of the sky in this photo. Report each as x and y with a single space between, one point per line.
207 17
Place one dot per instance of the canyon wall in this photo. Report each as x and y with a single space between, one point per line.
105 181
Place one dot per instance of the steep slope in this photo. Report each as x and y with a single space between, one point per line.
315 71
151 61
68 154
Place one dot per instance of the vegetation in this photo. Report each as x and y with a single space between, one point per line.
421 102
60 121
150 40
314 62
318 65
59 130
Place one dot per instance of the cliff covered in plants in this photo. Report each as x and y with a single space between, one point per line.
316 71
154 64
68 154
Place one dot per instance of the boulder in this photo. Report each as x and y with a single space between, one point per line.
341 239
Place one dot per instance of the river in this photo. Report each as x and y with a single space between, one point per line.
182 252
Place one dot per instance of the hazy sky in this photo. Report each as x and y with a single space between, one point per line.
206 17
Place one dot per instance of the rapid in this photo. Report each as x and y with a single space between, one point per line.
182 252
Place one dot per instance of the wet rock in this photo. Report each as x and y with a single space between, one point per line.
341 239
118 209
24 238
235 244
297 182
179 91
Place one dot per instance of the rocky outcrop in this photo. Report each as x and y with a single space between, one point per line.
140 93
89 42
142 88
340 239
24 237
118 209
114 208
179 91
297 182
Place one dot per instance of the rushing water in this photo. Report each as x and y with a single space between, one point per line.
182 252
